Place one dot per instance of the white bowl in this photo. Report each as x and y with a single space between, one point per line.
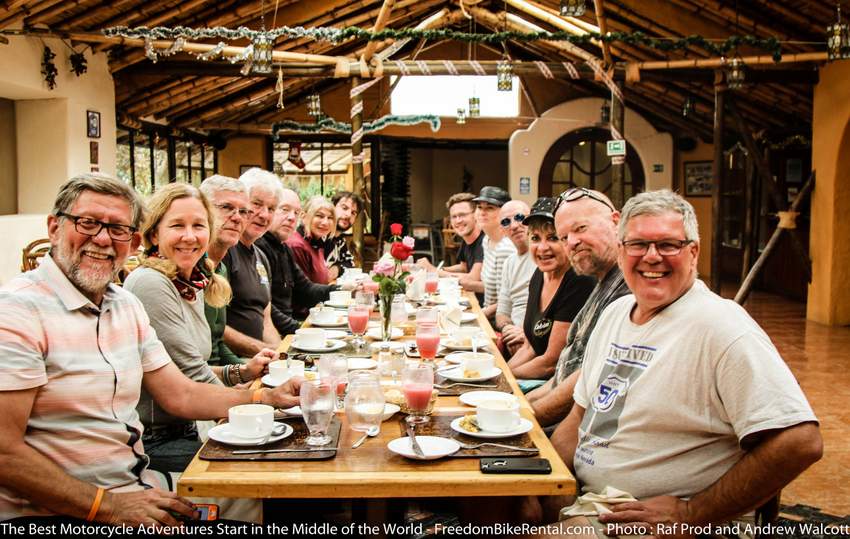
390 410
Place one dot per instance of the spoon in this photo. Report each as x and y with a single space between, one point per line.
277 431
372 432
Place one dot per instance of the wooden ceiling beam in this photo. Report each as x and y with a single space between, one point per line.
29 10
132 94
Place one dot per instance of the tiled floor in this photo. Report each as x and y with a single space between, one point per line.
819 356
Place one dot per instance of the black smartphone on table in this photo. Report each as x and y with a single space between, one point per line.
532 465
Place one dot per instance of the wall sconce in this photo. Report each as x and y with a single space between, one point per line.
735 73
838 39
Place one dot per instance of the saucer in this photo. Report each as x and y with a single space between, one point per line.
524 426
356 363
456 375
221 433
451 344
395 346
375 333
434 447
335 334
474 398
330 346
267 380
341 320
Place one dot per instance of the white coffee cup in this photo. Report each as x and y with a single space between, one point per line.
479 362
500 415
340 297
323 315
312 338
280 373
251 420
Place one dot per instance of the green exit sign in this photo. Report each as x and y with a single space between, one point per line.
616 147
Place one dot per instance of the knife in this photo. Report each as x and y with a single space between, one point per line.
415 444
259 451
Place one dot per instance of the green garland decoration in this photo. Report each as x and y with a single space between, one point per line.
329 124
335 35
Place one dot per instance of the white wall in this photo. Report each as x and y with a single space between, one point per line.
26 229
52 144
528 147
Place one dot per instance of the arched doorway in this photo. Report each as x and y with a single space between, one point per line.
578 159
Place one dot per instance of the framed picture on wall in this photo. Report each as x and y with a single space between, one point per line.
699 178
245 168
93 124
93 152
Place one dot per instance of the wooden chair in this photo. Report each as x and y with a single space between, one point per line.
450 246
33 253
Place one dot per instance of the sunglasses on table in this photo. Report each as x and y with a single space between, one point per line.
506 222
576 193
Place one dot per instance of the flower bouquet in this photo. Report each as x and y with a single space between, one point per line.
390 276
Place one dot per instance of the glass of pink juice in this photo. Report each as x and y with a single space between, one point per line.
427 340
417 383
371 286
358 320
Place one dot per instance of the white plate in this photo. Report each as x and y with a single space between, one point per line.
356 363
474 398
267 380
395 346
445 308
466 318
294 411
341 320
330 346
456 375
390 410
375 333
335 334
434 447
451 344
336 305
524 426
221 433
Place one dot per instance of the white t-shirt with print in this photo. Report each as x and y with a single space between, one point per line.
667 402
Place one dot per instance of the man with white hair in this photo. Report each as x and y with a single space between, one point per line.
516 274
249 323
682 401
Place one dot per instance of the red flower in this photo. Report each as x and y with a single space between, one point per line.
395 229
400 251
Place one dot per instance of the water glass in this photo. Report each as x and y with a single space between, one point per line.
398 312
317 406
358 322
417 383
427 315
364 402
365 298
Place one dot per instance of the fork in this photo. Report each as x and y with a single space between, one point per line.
447 386
504 446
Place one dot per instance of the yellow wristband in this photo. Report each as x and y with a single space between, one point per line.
95 505
257 397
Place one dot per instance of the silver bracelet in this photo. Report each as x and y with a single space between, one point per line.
225 375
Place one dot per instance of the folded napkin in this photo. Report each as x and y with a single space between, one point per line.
593 504
416 288
450 318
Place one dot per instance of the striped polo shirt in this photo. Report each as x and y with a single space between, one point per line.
87 363
491 271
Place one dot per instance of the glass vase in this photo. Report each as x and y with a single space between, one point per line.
386 317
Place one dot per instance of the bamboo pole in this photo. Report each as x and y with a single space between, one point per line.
712 63
618 172
716 239
359 186
603 29
545 15
383 17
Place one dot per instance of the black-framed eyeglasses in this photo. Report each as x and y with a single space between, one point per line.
92 227
506 222
662 247
230 209
576 193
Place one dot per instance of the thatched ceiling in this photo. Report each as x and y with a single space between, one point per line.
184 92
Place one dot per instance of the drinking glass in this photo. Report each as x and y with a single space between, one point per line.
365 298
398 313
358 321
364 402
427 315
417 383
427 340
333 369
432 281
317 406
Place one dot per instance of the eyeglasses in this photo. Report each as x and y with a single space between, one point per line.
229 210
92 227
576 193
457 216
506 222
662 247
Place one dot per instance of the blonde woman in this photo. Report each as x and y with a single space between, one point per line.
307 242
173 280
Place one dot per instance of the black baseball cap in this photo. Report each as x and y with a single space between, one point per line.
543 208
493 195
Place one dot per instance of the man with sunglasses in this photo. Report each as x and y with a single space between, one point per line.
516 274
682 400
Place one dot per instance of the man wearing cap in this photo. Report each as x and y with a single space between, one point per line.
496 246
516 273
470 255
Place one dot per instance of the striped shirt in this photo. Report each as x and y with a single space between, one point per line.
87 363
491 271
513 292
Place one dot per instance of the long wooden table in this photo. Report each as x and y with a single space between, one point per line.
373 471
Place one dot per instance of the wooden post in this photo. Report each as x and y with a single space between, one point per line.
618 172
744 291
748 239
359 186
717 240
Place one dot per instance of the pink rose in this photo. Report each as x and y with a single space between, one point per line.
409 242
383 267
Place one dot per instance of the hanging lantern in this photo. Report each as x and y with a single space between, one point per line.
474 107
838 39
262 53
314 105
461 116
688 106
573 8
605 113
504 75
735 74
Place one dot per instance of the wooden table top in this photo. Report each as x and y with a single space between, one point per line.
372 471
